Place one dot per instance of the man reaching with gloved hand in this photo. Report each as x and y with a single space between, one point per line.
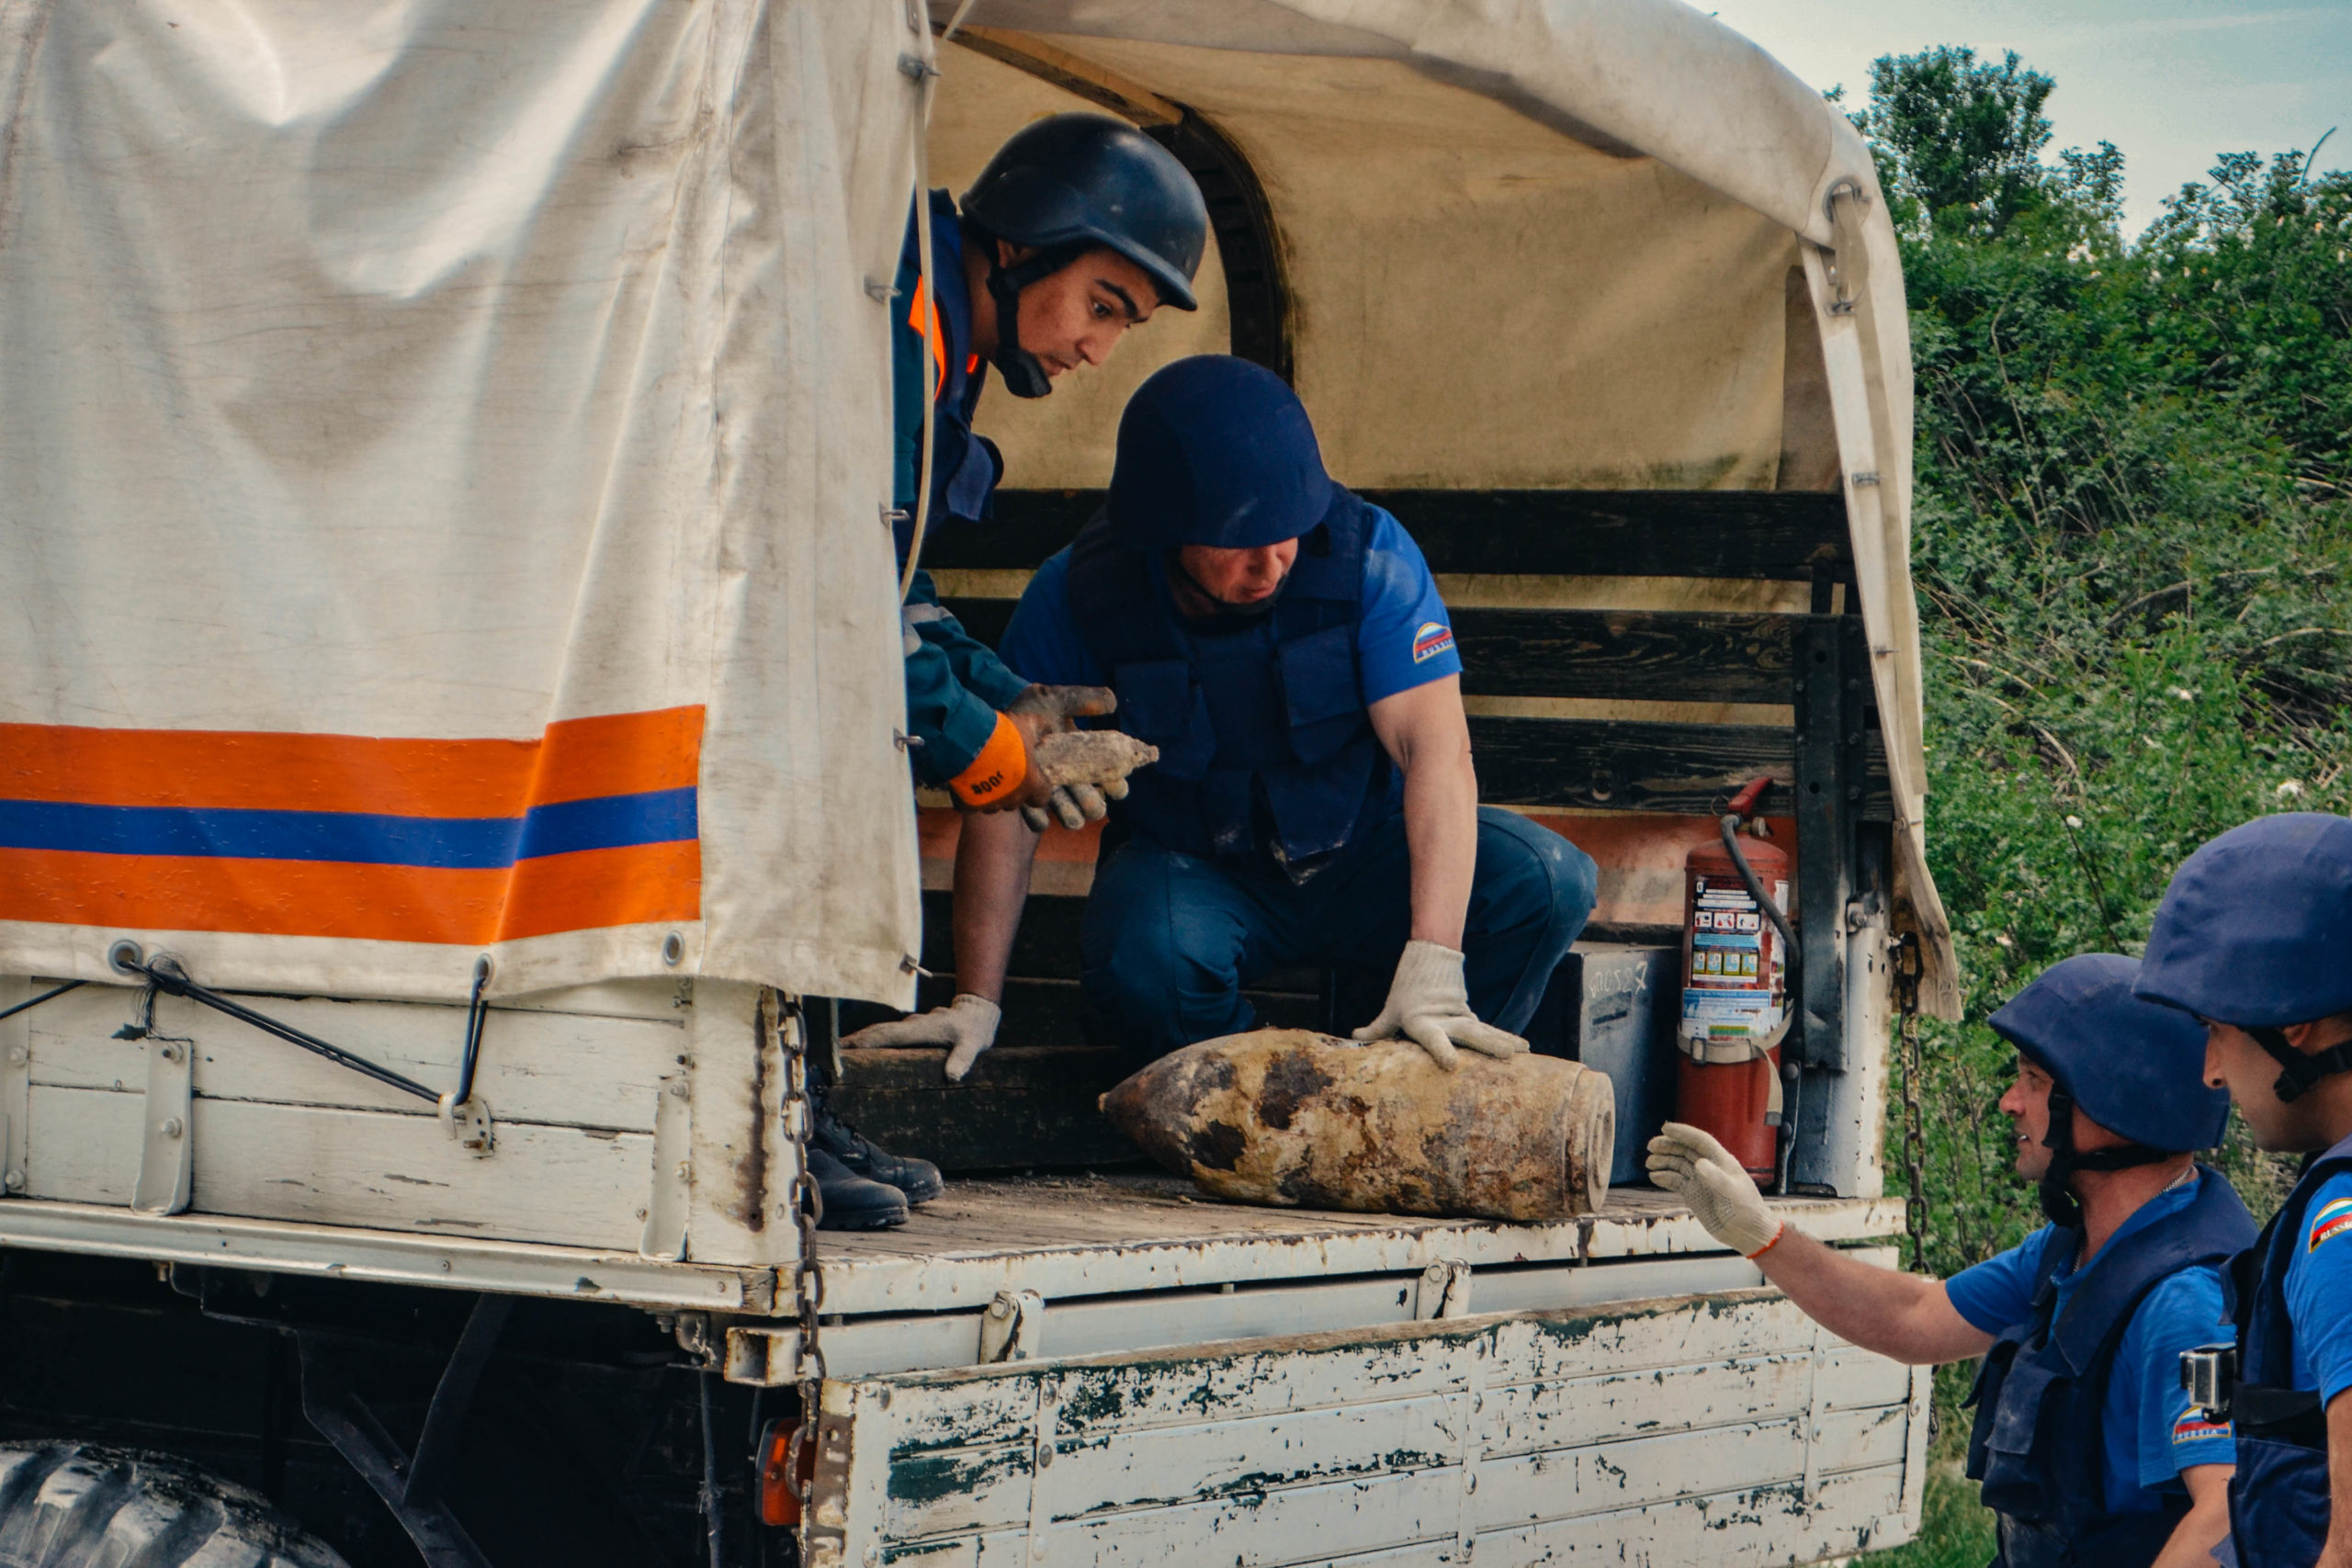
2085 1442
1282 644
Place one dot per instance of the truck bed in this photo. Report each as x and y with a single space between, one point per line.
1084 1236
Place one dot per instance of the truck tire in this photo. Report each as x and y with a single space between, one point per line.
66 1505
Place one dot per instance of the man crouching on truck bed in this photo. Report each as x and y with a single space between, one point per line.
2085 1440
1282 643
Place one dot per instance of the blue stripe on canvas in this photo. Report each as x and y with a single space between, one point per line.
455 843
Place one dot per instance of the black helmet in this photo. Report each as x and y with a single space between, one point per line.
1081 180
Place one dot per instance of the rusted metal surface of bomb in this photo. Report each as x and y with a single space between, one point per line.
1092 756
1291 1117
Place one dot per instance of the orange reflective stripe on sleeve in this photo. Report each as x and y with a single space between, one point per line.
924 318
998 770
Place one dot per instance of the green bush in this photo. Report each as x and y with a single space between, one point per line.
2132 534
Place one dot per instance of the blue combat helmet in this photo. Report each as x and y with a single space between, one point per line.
1214 450
2255 931
2135 1067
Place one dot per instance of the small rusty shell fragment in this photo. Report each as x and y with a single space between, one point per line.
1298 1118
1092 756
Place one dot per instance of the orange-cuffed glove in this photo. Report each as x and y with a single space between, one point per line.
1005 773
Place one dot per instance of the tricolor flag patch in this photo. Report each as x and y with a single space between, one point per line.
2194 1428
1433 638
2333 1218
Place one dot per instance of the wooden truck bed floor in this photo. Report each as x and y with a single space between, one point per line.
1082 1235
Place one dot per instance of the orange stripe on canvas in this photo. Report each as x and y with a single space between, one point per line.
579 758
632 884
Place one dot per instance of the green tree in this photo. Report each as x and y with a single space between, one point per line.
1959 138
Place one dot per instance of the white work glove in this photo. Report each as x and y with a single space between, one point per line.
966 1026
1688 1162
1075 805
1429 1003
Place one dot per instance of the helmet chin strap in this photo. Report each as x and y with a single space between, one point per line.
2059 1204
2301 1072
1025 374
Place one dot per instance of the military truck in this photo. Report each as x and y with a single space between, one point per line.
453 797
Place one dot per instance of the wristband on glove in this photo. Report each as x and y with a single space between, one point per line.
1778 1232
998 770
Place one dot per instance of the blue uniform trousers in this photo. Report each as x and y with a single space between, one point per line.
1169 940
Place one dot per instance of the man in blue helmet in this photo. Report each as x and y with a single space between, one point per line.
1079 228
2085 1440
1282 643
2255 937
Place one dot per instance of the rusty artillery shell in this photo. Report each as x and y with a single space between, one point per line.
1092 756
1291 1117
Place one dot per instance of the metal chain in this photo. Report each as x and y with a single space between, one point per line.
1915 1137
783 1020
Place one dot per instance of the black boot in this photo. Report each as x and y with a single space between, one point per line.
918 1178
853 1202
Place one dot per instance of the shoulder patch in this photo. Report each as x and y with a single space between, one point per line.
1433 638
2194 1428
2330 1220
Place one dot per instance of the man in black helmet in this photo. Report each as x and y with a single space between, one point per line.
1079 228
2089 1452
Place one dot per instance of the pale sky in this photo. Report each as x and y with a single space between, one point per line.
2172 83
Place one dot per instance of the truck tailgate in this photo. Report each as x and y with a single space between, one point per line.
1719 1428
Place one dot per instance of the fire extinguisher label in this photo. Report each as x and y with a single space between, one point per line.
1732 979
1719 1015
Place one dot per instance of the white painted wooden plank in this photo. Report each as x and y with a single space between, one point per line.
82 1146
1853 1377
567 1186
344 1252
1580 1412
959 1490
534 1065
1863 1439
929 1416
564 1184
1628 1335
1636 1472
1092 1475
1264 1379
669 1000
1748 1529
1302 1524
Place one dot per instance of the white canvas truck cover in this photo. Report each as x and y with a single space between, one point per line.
445 442
446 446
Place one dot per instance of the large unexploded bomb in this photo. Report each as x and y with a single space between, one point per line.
1291 1117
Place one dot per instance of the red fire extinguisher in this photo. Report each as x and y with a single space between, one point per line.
1734 989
